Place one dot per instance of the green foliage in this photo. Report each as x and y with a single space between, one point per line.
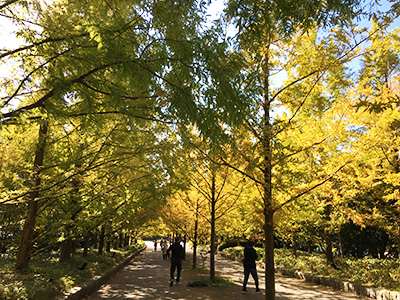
49 277
255 20
380 273
230 243
207 282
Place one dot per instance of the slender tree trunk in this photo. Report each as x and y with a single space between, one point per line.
328 237
267 197
184 246
269 257
195 245
26 242
108 246
340 245
101 240
95 238
86 244
398 239
196 227
294 246
212 254
126 239
66 249
68 245
121 240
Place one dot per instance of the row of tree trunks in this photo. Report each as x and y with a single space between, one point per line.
28 232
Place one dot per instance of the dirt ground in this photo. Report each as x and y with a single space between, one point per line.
147 277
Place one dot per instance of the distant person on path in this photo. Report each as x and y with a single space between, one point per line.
164 248
175 252
155 245
249 264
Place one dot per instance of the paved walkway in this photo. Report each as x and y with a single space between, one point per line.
147 277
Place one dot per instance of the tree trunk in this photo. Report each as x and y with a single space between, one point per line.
196 226
101 240
398 239
66 249
340 245
26 241
68 246
266 167
108 246
86 244
294 246
328 242
184 246
126 239
328 237
95 238
212 252
121 240
269 255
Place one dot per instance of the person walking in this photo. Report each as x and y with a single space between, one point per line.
249 264
164 248
155 245
175 252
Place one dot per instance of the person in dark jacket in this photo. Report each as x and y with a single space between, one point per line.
176 253
249 264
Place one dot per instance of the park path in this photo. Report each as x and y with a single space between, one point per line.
147 277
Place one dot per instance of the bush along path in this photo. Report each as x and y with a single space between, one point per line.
82 290
334 283
147 277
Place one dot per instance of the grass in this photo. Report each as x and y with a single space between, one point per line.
49 277
207 282
379 273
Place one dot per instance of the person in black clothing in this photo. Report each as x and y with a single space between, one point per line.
175 252
249 264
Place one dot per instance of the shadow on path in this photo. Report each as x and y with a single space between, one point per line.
147 277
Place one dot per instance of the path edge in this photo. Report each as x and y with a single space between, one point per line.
335 283
93 284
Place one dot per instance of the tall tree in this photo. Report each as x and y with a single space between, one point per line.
261 25
25 247
80 62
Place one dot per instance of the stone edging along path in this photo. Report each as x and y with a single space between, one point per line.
90 285
335 283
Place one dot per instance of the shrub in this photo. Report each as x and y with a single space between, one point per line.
231 243
49 277
207 282
380 273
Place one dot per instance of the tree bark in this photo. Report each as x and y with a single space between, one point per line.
184 246
121 240
26 242
101 240
328 237
269 255
294 246
398 239
86 244
212 252
95 238
194 265
108 246
340 245
66 249
267 188
196 227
